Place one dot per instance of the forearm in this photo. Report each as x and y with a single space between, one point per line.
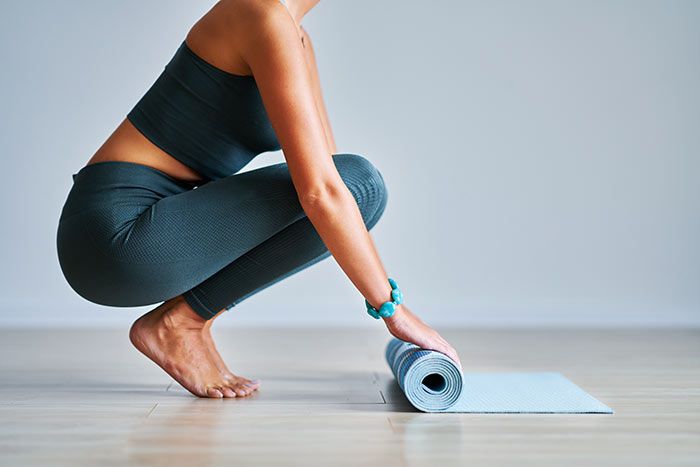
338 221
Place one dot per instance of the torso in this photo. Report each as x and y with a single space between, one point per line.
213 39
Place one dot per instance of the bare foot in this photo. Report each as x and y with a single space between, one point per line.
171 335
410 328
242 386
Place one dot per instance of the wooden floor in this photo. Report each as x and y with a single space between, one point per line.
86 398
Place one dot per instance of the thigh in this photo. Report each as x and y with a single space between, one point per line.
181 240
185 238
216 223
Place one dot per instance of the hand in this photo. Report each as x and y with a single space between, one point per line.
408 327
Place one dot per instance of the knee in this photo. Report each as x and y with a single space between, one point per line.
366 183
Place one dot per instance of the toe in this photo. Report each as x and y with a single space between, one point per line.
214 392
249 389
252 387
228 392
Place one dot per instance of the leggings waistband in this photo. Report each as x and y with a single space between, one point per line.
119 181
113 170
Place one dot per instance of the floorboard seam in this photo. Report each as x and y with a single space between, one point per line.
152 409
393 430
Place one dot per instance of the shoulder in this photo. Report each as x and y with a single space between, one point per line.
233 32
254 16
265 28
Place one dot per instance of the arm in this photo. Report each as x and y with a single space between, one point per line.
273 51
318 95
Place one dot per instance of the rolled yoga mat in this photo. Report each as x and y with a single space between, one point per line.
432 382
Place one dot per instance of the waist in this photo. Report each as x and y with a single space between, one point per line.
112 183
127 144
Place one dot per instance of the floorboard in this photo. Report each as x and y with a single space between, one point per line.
86 397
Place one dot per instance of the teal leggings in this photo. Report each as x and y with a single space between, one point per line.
130 235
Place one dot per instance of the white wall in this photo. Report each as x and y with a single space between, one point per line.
542 157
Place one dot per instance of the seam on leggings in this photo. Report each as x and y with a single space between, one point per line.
111 257
193 295
247 256
96 208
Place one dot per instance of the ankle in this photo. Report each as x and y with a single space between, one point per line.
179 314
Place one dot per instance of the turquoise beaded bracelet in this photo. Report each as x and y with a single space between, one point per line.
388 308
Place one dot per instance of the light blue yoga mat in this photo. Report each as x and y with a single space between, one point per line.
432 382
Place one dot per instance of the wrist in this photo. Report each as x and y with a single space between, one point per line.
387 308
397 318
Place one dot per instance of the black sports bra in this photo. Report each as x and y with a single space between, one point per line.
209 119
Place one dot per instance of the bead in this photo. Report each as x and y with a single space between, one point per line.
387 308
371 311
397 296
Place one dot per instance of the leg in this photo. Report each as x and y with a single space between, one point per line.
265 200
149 248
289 251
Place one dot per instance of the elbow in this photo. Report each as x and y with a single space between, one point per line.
322 196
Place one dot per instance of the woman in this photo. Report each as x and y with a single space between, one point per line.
159 214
